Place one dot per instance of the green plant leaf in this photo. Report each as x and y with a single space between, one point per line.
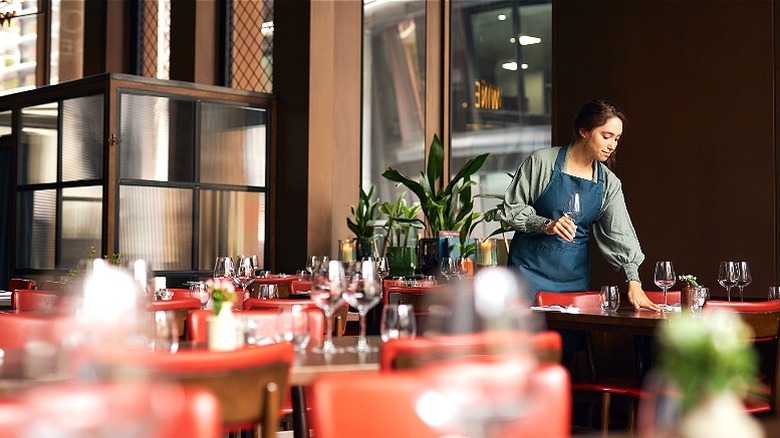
435 160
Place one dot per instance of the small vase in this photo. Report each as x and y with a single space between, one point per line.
720 415
223 330
401 260
686 295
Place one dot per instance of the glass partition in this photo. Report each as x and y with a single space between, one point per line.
233 144
231 223
82 138
36 225
82 222
37 162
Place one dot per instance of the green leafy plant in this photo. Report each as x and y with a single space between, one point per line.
688 279
446 208
364 213
468 248
706 356
401 219
114 259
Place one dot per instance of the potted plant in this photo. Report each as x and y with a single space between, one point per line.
222 325
401 220
362 222
446 206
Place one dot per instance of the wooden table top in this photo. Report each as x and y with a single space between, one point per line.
635 322
308 364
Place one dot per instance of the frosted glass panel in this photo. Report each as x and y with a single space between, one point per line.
82 213
82 138
233 145
38 148
5 122
35 241
155 224
231 223
156 138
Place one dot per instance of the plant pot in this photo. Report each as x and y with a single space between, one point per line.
428 256
402 260
367 247
223 330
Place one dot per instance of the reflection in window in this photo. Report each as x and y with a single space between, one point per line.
500 91
157 138
393 90
233 144
82 222
36 214
155 224
82 138
38 148
231 223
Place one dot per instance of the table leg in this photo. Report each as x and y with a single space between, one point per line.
300 428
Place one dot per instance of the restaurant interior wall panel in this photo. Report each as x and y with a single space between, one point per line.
289 177
697 157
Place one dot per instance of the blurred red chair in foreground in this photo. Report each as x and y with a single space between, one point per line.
143 409
764 318
17 329
21 283
398 401
604 386
413 353
248 382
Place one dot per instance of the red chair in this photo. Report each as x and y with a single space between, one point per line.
282 284
603 386
432 304
17 329
339 317
299 286
248 382
764 318
21 283
391 400
161 411
413 353
43 301
197 322
657 296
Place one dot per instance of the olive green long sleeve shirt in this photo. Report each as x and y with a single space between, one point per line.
613 231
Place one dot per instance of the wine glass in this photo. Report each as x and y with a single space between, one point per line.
363 293
328 284
398 321
223 268
382 268
744 278
448 267
728 276
664 278
244 274
573 208
202 292
312 263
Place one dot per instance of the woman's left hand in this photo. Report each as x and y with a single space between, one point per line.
638 298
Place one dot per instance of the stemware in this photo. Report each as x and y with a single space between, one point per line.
293 326
363 293
223 268
398 321
244 274
448 267
744 278
774 293
728 276
328 284
312 263
573 208
664 278
382 268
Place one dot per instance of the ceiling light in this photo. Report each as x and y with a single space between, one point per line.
512 40
512 65
501 17
526 40
524 66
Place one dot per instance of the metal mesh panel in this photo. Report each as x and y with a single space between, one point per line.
156 38
251 45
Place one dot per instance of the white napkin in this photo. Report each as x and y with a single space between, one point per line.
557 308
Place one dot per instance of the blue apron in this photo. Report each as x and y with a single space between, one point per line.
550 263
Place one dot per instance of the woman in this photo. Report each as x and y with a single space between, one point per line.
549 247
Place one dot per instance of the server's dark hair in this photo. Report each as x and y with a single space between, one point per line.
596 113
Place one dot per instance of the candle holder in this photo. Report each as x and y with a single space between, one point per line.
486 253
347 250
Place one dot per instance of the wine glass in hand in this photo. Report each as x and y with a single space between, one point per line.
573 208
728 276
744 278
664 278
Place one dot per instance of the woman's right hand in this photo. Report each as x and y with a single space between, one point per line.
563 227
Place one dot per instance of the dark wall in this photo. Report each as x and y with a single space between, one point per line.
697 158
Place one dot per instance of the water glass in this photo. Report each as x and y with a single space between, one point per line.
268 291
163 331
774 293
398 321
610 298
699 296
293 326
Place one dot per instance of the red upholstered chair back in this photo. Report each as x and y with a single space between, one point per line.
339 317
392 399
412 353
582 300
186 411
21 283
266 318
16 329
43 301
298 286
175 304
249 382
764 318
181 293
657 296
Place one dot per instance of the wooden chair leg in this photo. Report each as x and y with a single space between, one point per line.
605 399
632 406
